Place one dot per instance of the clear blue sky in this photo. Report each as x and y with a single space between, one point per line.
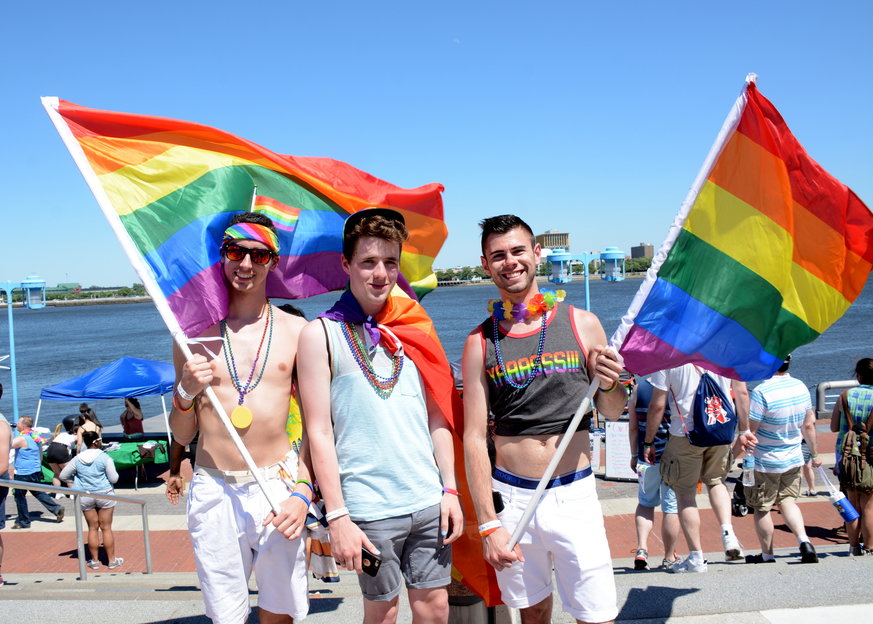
589 118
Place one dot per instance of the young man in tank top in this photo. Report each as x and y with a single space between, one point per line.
381 447
530 364
232 526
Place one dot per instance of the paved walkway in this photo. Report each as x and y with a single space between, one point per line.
40 566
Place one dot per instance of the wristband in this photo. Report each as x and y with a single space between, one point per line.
814 455
611 388
179 407
648 444
744 432
448 490
181 392
300 496
306 483
488 532
486 528
336 513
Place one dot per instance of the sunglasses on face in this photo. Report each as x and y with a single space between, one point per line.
238 252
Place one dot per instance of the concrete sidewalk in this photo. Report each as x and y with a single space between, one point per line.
41 569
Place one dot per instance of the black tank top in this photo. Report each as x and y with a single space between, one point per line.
547 405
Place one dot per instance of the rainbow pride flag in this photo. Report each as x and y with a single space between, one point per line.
767 251
169 189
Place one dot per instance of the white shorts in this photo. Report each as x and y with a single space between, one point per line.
225 524
566 533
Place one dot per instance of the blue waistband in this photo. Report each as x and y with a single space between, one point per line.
531 484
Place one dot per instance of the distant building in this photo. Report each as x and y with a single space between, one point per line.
64 289
643 251
553 239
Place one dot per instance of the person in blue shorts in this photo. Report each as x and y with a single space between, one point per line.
653 492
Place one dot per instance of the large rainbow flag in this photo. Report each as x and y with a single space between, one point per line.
169 189
767 251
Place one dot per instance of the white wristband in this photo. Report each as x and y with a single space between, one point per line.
490 525
744 432
184 395
336 513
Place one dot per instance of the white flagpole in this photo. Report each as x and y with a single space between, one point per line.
550 469
730 123
148 279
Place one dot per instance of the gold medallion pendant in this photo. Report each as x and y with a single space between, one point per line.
241 417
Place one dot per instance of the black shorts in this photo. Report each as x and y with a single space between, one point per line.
58 453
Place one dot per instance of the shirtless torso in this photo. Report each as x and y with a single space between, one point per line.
265 438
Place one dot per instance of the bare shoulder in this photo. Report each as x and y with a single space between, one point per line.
589 327
312 331
290 323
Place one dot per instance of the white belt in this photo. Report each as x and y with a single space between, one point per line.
238 477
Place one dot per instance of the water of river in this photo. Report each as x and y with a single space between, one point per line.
54 344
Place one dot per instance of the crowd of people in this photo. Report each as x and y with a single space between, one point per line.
74 453
377 396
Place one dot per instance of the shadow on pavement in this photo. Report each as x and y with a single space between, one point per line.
652 602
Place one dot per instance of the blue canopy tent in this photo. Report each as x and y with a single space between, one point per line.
125 377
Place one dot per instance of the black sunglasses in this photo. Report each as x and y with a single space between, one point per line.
238 252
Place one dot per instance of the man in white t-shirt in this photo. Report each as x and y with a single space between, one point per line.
683 464
780 415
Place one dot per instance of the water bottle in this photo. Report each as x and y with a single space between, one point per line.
839 500
847 511
749 470
641 474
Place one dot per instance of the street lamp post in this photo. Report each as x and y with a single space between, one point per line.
33 298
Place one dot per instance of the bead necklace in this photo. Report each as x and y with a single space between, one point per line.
241 417
540 303
383 386
537 363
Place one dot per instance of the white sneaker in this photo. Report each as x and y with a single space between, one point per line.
732 549
687 567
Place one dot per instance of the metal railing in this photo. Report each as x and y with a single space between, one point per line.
827 393
80 542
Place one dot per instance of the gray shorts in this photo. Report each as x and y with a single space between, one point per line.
87 503
410 545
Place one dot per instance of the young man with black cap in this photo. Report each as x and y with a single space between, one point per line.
233 529
529 365
381 447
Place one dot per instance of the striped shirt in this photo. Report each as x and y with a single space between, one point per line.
780 405
860 402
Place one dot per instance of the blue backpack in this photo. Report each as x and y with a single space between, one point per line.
713 415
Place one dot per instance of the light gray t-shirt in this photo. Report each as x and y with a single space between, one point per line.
383 446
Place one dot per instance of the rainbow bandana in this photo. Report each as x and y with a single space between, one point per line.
252 231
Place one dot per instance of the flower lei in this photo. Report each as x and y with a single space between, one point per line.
540 303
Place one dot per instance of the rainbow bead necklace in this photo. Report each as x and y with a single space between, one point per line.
537 363
382 386
242 416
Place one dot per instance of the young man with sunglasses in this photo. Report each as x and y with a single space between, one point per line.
529 365
232 526
381 446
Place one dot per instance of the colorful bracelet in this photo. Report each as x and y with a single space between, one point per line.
300 496
449 490
488 532
336 513
485 528
306 483
611 388
179 407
